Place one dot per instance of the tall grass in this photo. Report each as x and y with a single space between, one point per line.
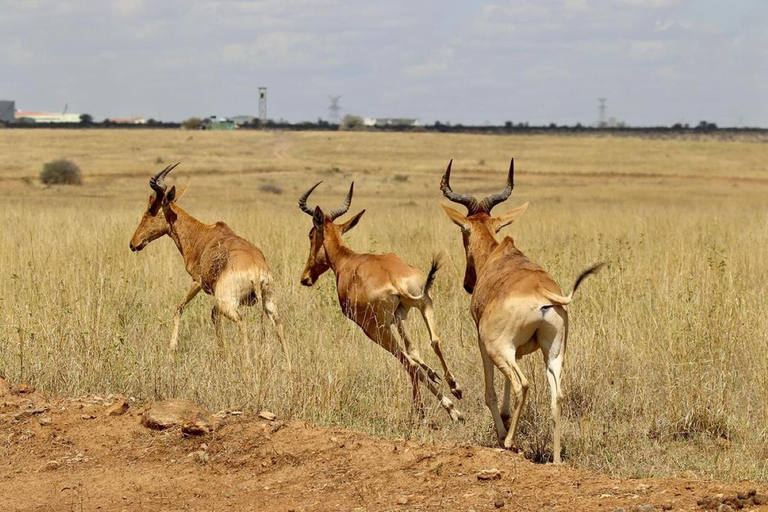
666 368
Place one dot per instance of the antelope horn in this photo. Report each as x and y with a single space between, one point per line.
465 199
304 197
156 181
492 200
344 208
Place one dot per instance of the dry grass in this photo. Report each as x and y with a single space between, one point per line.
667 367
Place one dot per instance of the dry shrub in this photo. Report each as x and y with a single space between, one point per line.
61 172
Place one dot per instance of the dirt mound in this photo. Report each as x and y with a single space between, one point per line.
70 454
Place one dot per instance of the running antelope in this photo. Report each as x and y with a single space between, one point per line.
376 291
221 263
517 306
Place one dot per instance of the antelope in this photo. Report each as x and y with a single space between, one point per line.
220 263
517 306
376 291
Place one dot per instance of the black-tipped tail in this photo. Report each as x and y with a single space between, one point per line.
436 264
586 273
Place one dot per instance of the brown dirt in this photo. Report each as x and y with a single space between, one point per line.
68 454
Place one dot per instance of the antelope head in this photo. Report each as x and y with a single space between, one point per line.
324 227
478 227
153 223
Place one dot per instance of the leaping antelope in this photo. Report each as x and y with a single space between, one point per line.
376 291
517 306
221 263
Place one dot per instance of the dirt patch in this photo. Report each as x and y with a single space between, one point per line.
56 459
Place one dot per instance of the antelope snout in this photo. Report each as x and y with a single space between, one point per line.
139 247
307 280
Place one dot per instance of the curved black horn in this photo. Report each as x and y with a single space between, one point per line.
467 200
156 181
344 208
304 197
492 200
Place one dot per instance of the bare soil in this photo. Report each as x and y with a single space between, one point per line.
69 454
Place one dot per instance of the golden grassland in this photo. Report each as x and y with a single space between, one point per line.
667 368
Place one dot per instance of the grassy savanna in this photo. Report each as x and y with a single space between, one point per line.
666 368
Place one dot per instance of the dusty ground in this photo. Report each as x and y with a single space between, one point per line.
68 454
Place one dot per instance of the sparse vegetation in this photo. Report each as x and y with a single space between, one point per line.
666 368
271 188
351 123
193 123
61 172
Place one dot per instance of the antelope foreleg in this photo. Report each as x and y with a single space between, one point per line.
193 290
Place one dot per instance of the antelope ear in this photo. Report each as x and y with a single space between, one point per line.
457 218
170 196
351 222
318 218
508 218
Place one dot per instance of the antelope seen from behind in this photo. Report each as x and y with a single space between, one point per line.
220 263
516 305
376 291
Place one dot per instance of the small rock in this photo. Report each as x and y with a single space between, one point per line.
118 408
88 417
45 420
642 487
667 506
724 508
267 416
28 413
688 475
402 500
489 474
499 503
647 507
23 389
204 447
199 456
760 499
51 465
171 413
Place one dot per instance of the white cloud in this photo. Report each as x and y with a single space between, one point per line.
434 66
654 4
653 50
546 73
16 53
128 8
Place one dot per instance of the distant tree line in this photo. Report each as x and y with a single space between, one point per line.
355 123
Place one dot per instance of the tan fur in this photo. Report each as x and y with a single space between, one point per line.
220 263
517 307
376 291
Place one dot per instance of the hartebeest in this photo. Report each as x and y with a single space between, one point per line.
220 263
376 291
517 306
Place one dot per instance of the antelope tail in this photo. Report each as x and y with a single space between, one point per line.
437 262
564 300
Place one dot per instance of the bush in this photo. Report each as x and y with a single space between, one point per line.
352 123
271 188
61 172
193 123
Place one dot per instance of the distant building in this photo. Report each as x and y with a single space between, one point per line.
217 123
7 111
390 121
242 120
46 117
127 120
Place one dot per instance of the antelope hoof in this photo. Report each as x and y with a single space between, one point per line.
456 391
457 416
510 445
433 376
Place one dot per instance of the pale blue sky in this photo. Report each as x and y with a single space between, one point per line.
541 61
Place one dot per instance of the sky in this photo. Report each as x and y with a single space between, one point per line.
657 62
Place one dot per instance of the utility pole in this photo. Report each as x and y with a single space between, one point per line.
334 109
601 112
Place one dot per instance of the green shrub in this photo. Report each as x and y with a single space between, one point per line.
61 172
